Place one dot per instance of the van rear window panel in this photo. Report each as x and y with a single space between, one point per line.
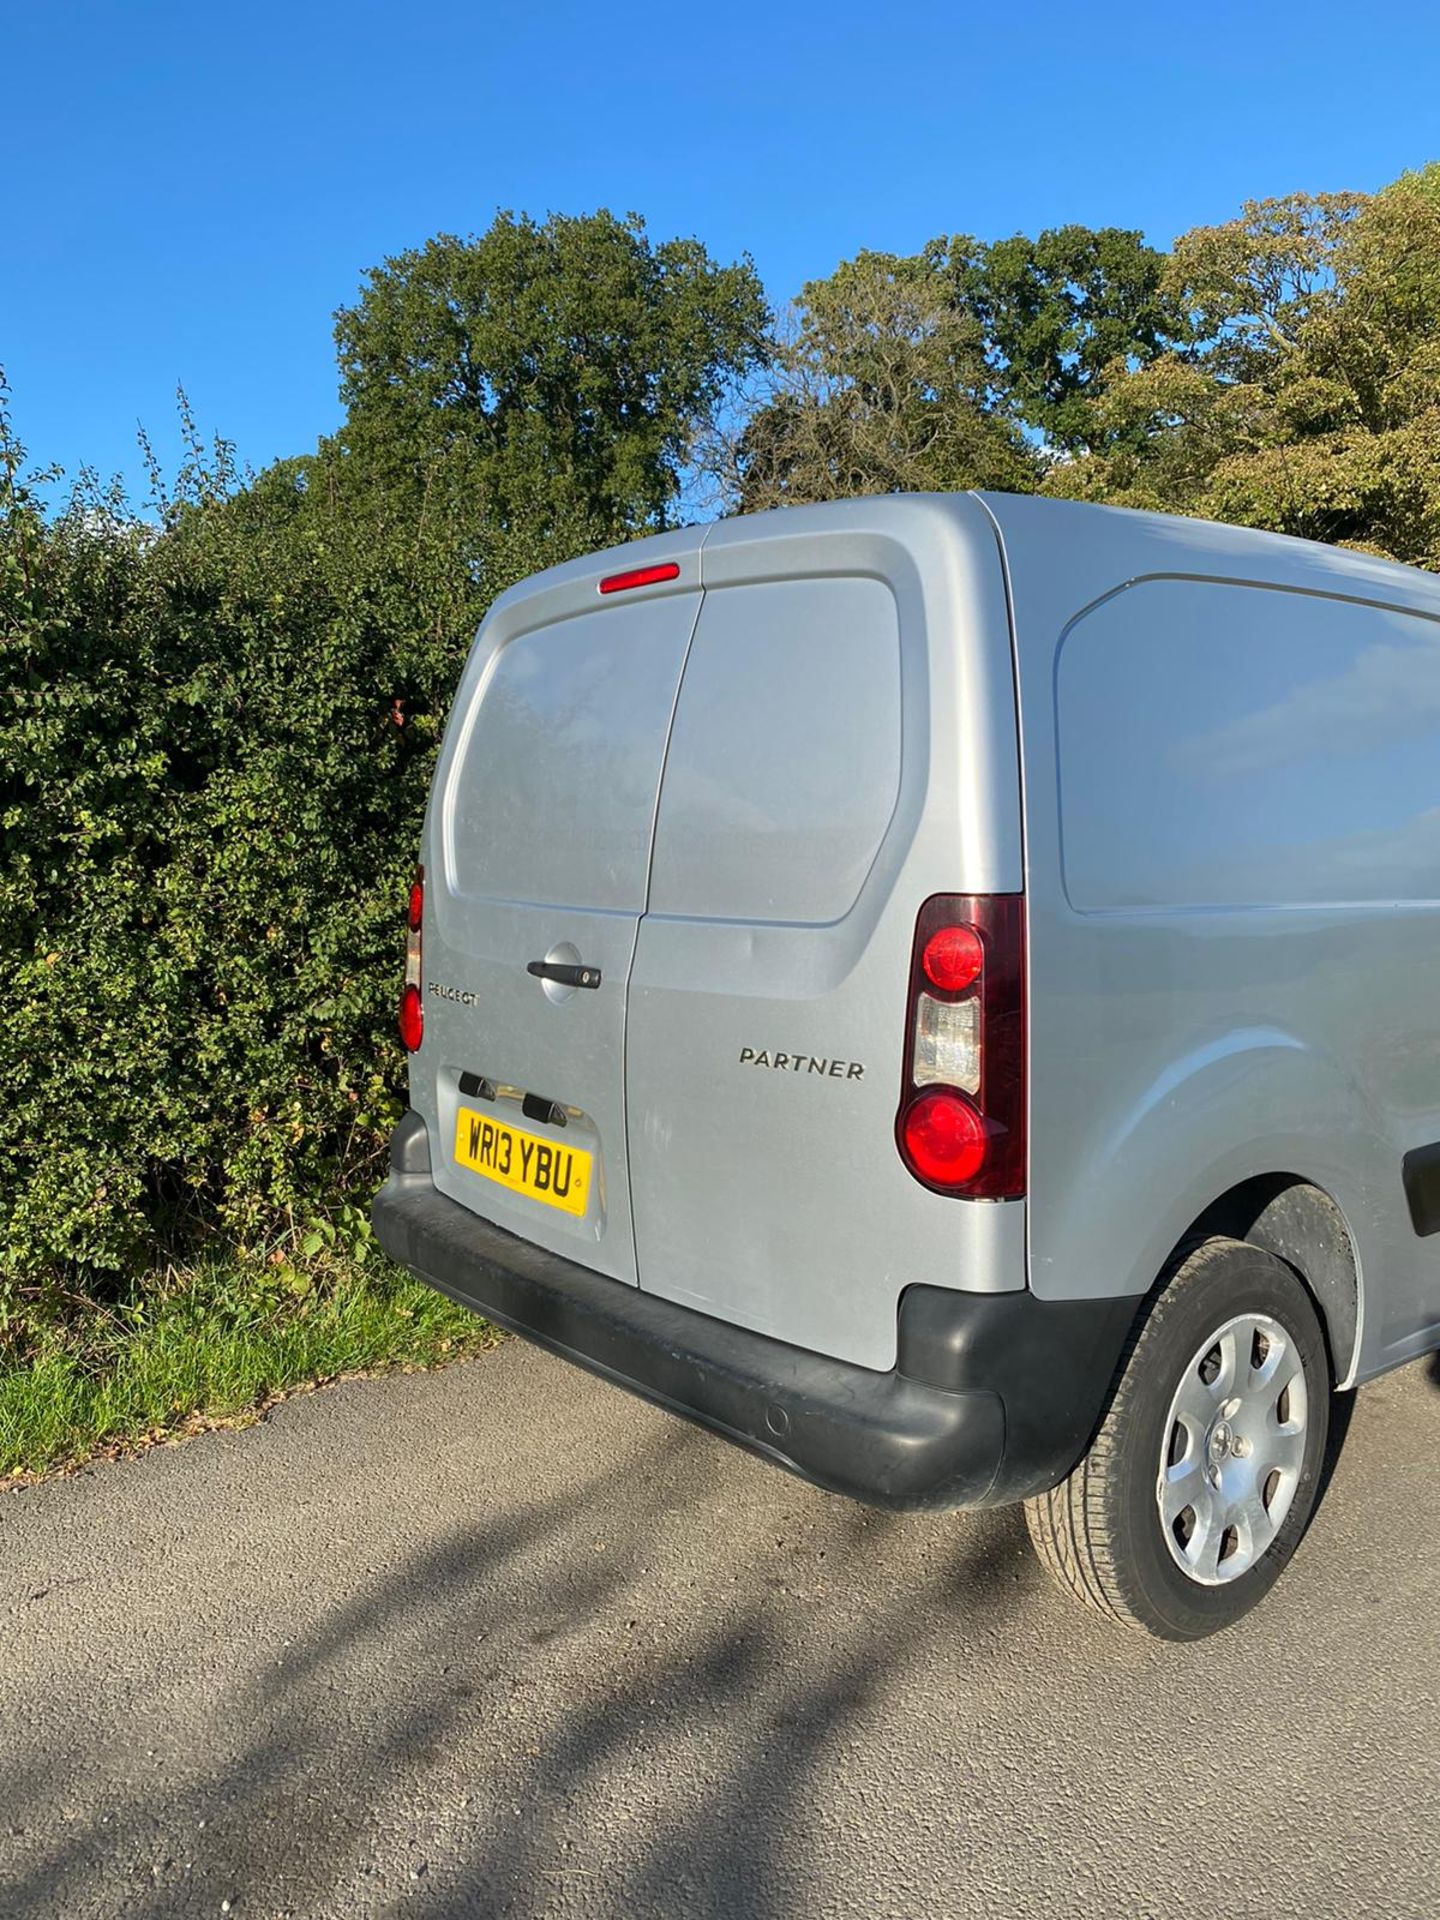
784 761
553 799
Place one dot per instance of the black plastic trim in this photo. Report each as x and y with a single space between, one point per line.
994 1396
1052 1363
564 973
1421 1173
410 1146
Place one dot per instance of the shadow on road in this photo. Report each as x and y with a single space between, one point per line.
521 1672
454 1631
1342 1413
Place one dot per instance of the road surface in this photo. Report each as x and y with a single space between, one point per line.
502 1641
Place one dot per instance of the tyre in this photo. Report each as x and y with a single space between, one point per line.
1206 1467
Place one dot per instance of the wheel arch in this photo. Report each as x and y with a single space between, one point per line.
1303 1225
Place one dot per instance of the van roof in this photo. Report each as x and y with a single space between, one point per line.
1211 547
1212 538
1087 546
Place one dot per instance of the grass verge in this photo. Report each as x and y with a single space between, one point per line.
205 1346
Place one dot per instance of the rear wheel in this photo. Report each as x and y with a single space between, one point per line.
1205 1470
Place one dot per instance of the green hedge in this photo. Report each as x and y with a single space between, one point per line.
209 814
209 817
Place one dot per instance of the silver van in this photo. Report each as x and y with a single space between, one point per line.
945 992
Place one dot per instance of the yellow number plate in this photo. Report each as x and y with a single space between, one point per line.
543 1170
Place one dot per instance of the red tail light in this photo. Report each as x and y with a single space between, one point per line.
944 1139
952 958
961 1123
412 1017
412 1008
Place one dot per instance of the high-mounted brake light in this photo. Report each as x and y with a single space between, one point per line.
412 1008
640 577
960 1127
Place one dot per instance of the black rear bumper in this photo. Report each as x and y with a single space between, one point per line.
993 1396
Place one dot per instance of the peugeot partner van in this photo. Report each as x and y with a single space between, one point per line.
944 991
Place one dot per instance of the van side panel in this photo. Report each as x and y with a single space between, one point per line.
1281 751
1231 763
844 747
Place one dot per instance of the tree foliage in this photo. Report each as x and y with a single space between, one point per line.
1060 313
1308 399
949 368
882 386
554 374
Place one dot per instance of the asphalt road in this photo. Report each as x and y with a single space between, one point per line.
502 1641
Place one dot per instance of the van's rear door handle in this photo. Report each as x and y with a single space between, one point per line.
564 974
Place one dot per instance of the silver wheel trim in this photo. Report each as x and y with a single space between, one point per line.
1232 1449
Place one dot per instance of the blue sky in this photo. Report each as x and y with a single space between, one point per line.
192 189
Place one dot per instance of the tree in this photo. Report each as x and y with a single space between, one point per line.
554 374
1309 399
1060 314
881 385
954 367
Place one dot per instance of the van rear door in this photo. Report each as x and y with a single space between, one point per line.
538 847
843 748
